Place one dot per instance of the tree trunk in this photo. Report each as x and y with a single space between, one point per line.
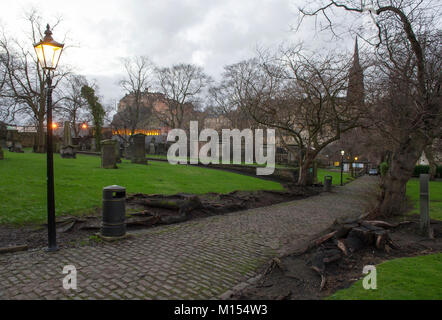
303 171
401 167
432 163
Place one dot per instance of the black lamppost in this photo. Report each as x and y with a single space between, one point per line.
48 53
342 165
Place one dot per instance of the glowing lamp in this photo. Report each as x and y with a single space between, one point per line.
48 51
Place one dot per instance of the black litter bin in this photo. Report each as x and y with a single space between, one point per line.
114 211
328 183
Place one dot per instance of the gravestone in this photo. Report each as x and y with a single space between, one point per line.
13 141
3 135
93 145
129 151
67 138
68 152
56 147
108 155
139 151
117 151
152 146
17 147
1 153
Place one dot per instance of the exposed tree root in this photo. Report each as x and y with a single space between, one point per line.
345 238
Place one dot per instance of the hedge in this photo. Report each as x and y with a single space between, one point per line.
426 169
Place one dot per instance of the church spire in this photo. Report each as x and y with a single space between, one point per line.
355 91
356 53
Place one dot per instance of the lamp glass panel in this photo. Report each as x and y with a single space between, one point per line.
49 54
40 55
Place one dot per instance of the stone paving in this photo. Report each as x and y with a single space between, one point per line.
199 259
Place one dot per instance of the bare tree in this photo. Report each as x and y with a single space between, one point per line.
222 104
182 86
301 96
139 72
73 105
25 81
408 69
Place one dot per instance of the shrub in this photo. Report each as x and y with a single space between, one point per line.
426 169
439 172
420 169
383 168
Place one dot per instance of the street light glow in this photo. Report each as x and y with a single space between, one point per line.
48 51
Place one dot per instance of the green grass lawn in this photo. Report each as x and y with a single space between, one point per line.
79 183
336 176
416 278
435 197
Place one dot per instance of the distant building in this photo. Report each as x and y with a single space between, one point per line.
355 90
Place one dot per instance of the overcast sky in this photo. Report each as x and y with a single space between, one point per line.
210 33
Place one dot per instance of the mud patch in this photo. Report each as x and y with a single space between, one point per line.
291 276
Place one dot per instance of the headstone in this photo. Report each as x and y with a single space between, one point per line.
67 138
108 155
1 153
68 152
129 151
13 141
139 152
117 151
57 147
3 135
151 148
93 145
425 227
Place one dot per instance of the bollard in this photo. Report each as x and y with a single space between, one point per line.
114 211
424 204
328 183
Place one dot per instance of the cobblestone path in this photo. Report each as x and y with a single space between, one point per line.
198 259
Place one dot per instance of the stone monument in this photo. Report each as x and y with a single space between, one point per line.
3 135
139 151
152 146
108 154
67 150
117 151
13 141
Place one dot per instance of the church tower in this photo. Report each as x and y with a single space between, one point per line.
355 90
